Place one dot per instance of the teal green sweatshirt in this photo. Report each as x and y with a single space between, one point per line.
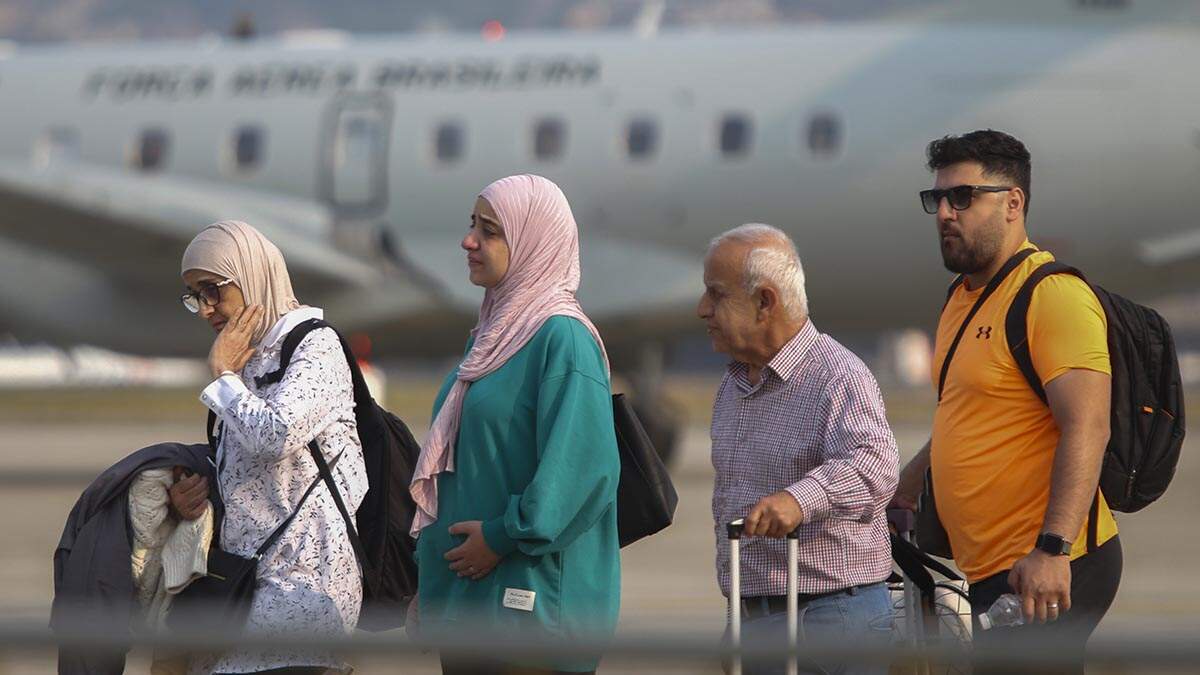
536 460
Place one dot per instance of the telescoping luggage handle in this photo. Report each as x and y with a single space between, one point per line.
905 522
735 531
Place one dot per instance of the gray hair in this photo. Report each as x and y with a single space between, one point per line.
772 260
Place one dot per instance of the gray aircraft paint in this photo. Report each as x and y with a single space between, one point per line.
1110 112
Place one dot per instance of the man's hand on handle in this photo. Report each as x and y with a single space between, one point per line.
774 516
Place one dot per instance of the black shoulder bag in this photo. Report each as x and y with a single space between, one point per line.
220 601
930 534
646 498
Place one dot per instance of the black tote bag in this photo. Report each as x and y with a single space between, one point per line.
646 497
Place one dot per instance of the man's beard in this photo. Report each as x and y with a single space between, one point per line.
970 258
965 259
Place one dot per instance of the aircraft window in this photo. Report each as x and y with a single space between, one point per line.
641 138
824 134
57 144
735 135
248 145
549 139
356 137
152 150
449 142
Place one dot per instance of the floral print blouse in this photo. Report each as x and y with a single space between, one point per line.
309 580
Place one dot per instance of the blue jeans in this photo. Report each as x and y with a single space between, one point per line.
859 616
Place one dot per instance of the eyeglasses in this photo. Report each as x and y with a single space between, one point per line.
209 294
959 196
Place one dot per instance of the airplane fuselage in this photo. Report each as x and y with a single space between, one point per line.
659 143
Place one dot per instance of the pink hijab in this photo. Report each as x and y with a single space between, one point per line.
542 277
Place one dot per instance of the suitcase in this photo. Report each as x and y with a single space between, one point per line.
937 617
734 531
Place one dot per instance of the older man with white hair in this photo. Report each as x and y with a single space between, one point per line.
799 440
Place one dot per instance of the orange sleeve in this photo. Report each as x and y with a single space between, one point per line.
1067 328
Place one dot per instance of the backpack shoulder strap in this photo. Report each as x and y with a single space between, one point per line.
1016 334
362 394
351 530
290 343
1016 322
363 402
1018 258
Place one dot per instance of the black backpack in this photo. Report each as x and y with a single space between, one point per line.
1147 426
386 552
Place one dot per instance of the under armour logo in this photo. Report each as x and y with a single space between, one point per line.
985 332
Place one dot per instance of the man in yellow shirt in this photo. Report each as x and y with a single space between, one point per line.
1016 479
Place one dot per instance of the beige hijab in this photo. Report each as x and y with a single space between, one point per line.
234 250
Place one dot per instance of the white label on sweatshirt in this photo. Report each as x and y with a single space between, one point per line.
517 598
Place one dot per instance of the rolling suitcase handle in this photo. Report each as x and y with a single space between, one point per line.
905 522
735 530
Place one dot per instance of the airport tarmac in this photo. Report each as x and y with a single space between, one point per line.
668 580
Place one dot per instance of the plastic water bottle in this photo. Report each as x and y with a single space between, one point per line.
1006 611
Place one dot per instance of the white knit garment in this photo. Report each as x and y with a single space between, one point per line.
167 554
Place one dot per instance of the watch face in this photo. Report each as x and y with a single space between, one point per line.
1053 544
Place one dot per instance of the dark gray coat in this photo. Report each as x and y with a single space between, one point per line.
93 579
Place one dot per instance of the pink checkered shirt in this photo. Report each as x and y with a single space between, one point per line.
814 426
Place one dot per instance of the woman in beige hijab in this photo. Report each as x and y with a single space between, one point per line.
308 581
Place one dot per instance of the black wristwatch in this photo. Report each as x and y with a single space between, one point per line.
1053 544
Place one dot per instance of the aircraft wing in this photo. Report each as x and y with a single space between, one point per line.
1169 250
133 227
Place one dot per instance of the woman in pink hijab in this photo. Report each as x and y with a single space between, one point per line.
517 480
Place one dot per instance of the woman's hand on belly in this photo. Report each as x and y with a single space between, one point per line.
473 558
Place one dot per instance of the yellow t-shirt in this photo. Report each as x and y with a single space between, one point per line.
993 439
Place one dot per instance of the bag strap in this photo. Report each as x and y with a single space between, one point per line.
212 423
279 529
1016 322
958 281
915 564
290 343
293 340
911 552
362 394
1016 334
327 475
991 287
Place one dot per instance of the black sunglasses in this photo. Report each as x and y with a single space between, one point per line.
209 294
959 196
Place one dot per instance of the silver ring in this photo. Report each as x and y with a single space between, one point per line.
1052 605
